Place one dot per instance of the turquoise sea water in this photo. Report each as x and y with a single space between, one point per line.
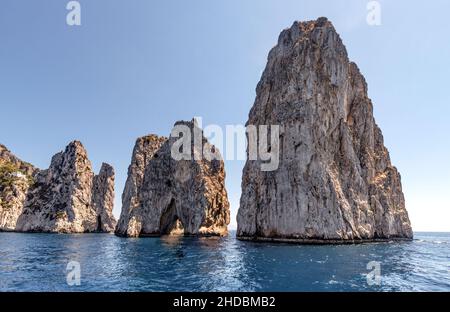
38 262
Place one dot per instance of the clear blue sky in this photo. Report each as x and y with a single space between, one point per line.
135 67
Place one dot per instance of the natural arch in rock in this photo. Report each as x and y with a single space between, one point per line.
170 223
99 223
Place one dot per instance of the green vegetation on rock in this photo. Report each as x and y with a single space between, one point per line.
9 174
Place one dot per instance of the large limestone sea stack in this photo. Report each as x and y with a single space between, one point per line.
164 195
335 181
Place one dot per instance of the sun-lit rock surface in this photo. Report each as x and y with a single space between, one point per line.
60 200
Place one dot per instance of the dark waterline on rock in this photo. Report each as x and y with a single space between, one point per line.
37 262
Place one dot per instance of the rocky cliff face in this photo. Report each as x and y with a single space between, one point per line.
167 196
61 199
103 199
143 152
16 177
335 180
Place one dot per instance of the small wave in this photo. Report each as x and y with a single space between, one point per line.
333 282
437 242
321 261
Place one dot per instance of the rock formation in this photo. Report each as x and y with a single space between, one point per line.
63 198
335 181
143 152
167 196
16 176
103 199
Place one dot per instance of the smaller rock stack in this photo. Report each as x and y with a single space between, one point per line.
103 199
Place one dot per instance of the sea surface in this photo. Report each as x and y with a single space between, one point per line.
39 262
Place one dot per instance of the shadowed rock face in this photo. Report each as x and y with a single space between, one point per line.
143 153
167 196
103 198
335 180
64 198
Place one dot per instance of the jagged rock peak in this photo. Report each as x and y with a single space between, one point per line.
63 198
167 196
335 181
